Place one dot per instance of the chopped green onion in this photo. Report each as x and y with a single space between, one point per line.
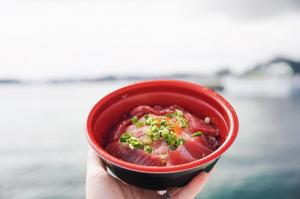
147 149
180 141
171 115
162 128
173 147
148 120
171 140
154 122
178 112
164 132
125 137
134 142
182 122
154 128
156 136
134 120
139 124
147 140
158 129
163 123
198 133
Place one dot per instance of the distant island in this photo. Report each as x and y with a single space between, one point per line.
277 65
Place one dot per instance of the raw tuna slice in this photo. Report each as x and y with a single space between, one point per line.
157 110
197 147
180 156
160 139
136 156
196 124
121 129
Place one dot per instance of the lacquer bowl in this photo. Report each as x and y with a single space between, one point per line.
196 99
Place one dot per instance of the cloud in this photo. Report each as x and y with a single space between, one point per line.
53 38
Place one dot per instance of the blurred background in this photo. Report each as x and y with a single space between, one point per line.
58 58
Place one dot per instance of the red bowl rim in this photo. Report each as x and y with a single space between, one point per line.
233 130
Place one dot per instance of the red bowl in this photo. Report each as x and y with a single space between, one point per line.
199 100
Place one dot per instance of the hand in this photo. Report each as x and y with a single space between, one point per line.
99 184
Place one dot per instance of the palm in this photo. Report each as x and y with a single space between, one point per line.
99 184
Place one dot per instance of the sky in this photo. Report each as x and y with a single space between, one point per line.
63 38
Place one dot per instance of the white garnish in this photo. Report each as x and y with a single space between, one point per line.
207 120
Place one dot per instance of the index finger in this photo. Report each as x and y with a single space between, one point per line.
94 163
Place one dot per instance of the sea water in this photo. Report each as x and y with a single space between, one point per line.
43 145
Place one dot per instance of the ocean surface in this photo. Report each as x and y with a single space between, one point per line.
43 145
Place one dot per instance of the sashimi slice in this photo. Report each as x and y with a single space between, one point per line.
157 110
196 124
137 132
136 156
197 147
159 147
121 129
115 148
180 156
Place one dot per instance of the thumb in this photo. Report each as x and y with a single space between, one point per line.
192 188
94 163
